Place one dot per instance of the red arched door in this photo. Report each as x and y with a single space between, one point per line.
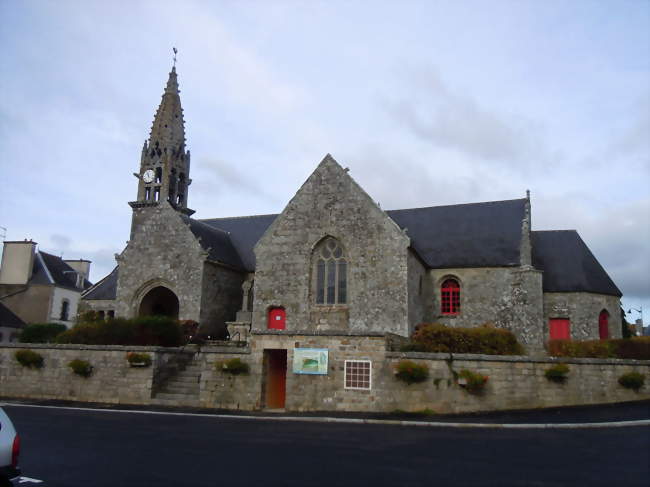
277 319
603 325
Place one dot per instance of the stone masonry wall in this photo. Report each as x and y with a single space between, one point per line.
112 380
420 292
582 310
221 298
508 297
331 203
514 382
163 251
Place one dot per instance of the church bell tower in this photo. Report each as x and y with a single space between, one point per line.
164 163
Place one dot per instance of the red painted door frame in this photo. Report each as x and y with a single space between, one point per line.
603 325
277 319
559 329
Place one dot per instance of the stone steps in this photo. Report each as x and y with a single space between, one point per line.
182 389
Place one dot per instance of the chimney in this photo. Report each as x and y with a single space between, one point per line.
82 266
17 262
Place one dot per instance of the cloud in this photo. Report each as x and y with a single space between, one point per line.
435 113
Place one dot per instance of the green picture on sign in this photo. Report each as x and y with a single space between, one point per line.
310 361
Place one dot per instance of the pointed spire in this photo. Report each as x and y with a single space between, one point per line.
168 128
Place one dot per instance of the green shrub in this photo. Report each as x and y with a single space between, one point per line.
29 358
135 358
632 380
557 372
41 332
81 367
473 382
485 339
627 348
411 372
234 366
147 330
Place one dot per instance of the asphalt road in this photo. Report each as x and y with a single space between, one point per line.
72 448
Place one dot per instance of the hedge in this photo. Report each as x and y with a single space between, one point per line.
486 339
41 332
637 348
147 330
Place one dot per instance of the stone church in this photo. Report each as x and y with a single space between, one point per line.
335 263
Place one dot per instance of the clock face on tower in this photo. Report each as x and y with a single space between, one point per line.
148 176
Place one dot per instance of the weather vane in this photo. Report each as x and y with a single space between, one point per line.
175 52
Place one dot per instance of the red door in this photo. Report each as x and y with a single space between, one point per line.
603 325
276 378
559 329
277 319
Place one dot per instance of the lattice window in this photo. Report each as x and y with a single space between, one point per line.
450 297
358 374
331 281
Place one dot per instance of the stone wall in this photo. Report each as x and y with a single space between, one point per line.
509 297
112 380
420 292
221 298
162 252
331 203
582 310
514 382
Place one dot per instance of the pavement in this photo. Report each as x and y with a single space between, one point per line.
635 413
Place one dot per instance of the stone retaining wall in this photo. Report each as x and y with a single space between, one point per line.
514 382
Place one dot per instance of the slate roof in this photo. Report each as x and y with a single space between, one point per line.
217 241
104 289
470 235
245 232
456 236
9 319
568 264
50 269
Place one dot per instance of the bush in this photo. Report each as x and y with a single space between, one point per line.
234 366
81 367
557 373
135 358
147 330
632 380
411 372
484 340
29 358
473 382
41 332
627 348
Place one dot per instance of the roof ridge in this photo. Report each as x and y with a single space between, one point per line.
459 204
236 217
548 231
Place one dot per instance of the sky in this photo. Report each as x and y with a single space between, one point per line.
427 102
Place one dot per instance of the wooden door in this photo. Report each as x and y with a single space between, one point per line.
275 383
559 329
603 325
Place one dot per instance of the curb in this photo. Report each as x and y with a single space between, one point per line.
325 419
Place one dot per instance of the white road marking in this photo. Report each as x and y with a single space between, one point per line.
324 419
27 480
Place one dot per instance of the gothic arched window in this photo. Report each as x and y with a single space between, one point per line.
603 325
450 297
331 274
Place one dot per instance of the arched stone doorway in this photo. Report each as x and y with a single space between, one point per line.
160 301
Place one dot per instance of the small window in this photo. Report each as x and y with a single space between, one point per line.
100 314
277 319
1 336
147 193
358 374
65 310
158 175
156 193
110 314
450 297
559 329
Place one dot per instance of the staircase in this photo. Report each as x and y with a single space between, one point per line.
181 388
